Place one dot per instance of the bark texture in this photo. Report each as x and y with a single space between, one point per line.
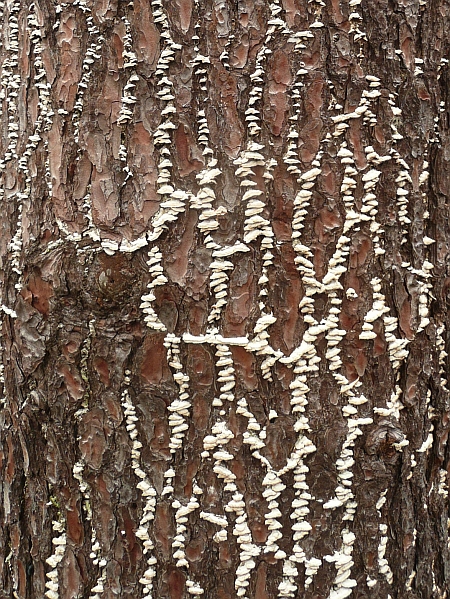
224 286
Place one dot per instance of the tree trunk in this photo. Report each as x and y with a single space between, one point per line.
224 262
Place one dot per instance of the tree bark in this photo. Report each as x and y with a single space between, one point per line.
224 278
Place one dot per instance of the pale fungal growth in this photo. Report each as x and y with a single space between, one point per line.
393 407
173 201
343 562
179 408
402 180
397 354
369 209
217 441
194 588
428 442
2 368
383 564
59 542
225 378
396 346
396 111
214 519
275 19
220 536
291 156
423 276
10 84
355 21
173 204
205 198
425 295
418 68
254 437
304 360
410 580
361 111
343 493
212 336
248 550
128 55
351 293
145 486
440 344
132 246
156 271
226 251
359 194
254 226
219 438
443 483
218 283
225 53
221 435
15 245
181 519
377 311
78 471
302 448
10 81
329 326
251 436
92 53
300 511
275 22
95 555
91 231
8 311
127 101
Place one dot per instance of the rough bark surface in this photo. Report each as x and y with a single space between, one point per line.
224 274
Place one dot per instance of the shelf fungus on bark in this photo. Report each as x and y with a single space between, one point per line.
96 550
53 584
145 486
179 407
